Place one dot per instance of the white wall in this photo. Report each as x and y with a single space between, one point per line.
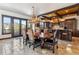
4 12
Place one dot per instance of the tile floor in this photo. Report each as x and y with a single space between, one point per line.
14 46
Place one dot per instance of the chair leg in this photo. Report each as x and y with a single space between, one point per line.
23 42
33 48
26 43
56 49
57 46
30 45
53 49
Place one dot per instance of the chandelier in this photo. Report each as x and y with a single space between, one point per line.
34 17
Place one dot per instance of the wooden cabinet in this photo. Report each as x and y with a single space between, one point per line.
72 25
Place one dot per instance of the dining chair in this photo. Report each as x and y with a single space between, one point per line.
52 42
67 35
31 37
37 40
24 36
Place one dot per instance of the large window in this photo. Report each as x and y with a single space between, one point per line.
13 25
29 25
23 25
41 25
6 25
16 27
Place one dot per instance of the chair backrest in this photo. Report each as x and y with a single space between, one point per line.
37 33
55 35
30 35
24 33
42 35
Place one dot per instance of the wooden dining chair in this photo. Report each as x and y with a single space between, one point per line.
52 42
24 36
37 40
31 37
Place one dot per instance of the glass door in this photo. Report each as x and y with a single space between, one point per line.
23 25
16 27
6 22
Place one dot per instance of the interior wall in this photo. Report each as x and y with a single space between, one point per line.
77 18
4 12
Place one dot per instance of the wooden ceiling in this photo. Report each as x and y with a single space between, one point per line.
62 12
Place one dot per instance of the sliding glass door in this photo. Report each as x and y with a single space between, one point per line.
6 25
19 25
16 27
23 25
13 25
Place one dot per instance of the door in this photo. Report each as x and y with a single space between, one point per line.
16 27
23 25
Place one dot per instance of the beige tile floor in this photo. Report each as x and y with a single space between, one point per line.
15 46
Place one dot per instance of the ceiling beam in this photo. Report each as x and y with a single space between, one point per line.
47 17
58 15
77 4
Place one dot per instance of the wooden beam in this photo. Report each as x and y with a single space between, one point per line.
47 17
60 9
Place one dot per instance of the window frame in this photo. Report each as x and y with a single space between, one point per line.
12 22
3 24
21 25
